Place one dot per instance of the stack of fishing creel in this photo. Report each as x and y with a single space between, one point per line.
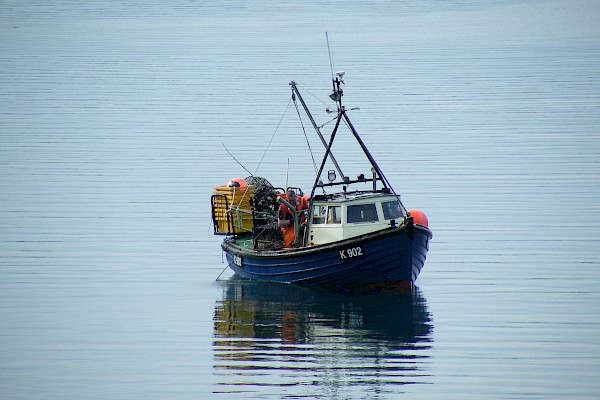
269 238
266 199
233 213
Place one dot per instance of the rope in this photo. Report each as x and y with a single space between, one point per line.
218 277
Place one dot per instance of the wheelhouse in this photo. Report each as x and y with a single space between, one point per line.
346 215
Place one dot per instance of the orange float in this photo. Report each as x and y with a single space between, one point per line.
419 217
237 182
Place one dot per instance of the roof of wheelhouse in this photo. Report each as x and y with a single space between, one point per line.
352 196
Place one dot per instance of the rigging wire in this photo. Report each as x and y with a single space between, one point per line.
236 160
318 127
314 96
263 156
305 135
272 137
328 122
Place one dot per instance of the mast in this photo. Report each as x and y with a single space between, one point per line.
295 93
327 152
342 115
378 175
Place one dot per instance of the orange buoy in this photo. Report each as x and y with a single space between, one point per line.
237 182
419 217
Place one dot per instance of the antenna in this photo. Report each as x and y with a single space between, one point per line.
330 57
336 79
287 170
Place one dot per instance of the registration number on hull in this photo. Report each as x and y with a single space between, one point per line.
237 260
351 252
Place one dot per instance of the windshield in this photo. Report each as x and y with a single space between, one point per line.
392 210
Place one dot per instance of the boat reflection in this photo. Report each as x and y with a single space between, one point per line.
268 336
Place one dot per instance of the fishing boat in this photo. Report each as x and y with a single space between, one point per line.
343 235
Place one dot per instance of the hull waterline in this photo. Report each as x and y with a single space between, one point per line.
391 257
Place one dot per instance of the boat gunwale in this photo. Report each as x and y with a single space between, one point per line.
229 244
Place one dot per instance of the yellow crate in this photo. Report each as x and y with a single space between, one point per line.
237 209
236 197
246 225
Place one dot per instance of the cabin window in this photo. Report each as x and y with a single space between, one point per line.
334 215
392 210
327 215
362 213
319 215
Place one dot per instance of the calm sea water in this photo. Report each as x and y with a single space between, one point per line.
484 114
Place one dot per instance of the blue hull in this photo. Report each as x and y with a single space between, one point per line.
394 256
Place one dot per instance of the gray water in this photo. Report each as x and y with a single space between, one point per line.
483 114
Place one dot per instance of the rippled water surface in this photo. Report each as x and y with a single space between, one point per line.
113 117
